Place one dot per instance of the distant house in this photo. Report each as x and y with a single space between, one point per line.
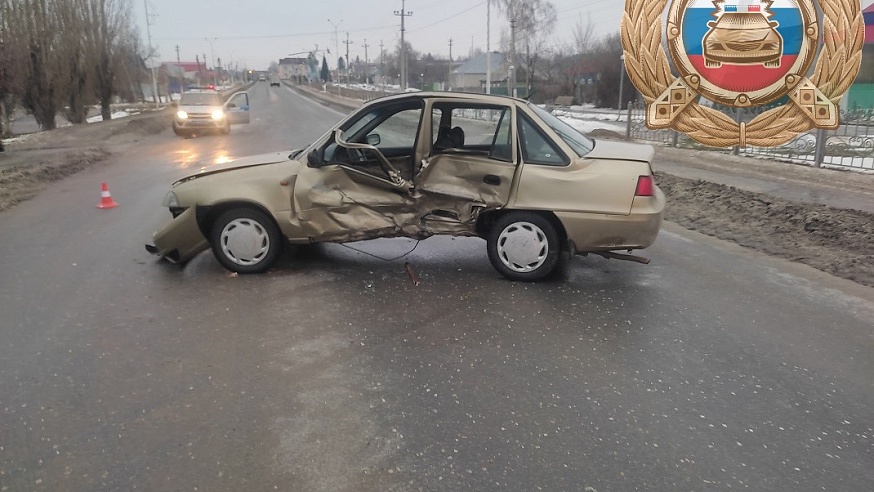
186 73
293 68
470 76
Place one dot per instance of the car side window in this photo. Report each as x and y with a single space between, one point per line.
240 101
397 131
536 147
472 129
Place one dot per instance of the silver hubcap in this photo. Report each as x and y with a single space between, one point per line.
245 242
522 247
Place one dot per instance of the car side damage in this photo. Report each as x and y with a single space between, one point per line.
424 164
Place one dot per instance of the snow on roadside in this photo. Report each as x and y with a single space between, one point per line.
585 124
116 115
63 124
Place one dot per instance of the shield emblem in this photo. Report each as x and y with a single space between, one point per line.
746 52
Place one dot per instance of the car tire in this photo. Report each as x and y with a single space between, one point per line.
245 240
181 133
226 129
524 246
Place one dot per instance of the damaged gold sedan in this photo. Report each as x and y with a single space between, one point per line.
416 165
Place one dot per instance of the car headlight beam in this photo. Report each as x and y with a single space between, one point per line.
182 115
218 114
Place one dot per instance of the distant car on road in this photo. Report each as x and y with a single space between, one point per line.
261 78
274 81
422 164
206 111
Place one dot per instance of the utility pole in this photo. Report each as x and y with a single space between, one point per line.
488 46
179 64
197 59
382 62
347 43
403 13
152 67
449 72
211 52
336 39
366 63
511 90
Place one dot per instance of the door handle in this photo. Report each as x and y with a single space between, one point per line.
491 179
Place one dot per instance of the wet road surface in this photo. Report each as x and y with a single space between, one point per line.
712 368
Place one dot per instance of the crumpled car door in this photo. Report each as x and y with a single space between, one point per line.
345 202
454 185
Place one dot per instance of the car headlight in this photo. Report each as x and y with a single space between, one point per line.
218 114
170 200
182 115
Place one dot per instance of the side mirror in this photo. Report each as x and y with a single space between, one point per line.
313 159
373 139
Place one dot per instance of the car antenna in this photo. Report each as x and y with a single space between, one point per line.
528 97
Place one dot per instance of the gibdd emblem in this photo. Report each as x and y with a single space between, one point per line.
742 53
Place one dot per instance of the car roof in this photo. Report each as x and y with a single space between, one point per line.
461 96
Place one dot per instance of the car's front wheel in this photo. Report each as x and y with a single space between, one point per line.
524 246
245 240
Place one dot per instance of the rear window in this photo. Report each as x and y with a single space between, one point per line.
580 143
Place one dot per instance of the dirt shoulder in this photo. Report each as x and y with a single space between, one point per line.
776 208
33 161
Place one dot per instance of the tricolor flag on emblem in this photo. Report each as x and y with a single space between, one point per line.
742 6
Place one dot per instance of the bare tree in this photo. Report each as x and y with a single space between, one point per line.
4 87
606 58
33 32
531 19
107 27
582 35
67 54
79 78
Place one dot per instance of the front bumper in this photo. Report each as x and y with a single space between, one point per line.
180 240
199 123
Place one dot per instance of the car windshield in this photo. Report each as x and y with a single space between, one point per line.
581 144
200 99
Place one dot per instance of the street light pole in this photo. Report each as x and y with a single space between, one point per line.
150 59
621 80
212 53
336 40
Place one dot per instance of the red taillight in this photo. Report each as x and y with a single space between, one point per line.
645 186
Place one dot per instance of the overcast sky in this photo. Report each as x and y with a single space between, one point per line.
252 33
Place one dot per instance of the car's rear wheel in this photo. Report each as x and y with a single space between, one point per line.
524 246
245 240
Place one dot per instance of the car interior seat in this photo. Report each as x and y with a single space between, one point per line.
443 139
457 136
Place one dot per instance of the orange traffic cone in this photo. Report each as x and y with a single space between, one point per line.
106 200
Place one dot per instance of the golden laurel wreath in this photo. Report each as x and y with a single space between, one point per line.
837 66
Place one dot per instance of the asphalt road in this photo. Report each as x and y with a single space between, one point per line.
712 368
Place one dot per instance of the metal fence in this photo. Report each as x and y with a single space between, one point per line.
849 146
